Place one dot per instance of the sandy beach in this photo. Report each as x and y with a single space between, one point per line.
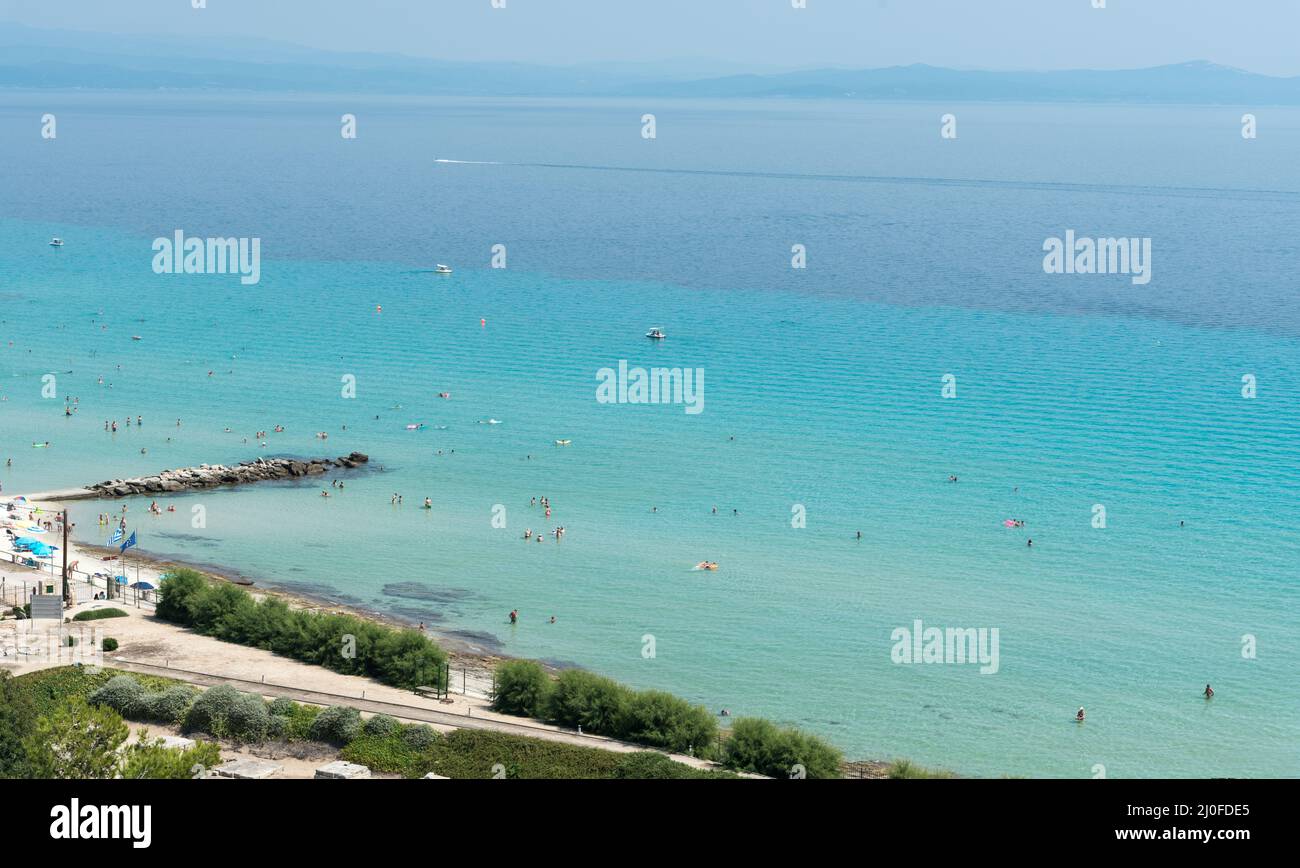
93 565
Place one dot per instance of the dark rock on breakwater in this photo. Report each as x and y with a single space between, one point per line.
212 476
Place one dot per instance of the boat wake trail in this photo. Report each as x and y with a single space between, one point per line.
1046 186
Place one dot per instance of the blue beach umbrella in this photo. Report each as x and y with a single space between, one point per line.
142 586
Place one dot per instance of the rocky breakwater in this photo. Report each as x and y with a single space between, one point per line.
214 475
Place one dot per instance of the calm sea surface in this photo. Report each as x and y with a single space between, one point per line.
822 394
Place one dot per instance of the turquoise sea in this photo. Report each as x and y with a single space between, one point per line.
822 391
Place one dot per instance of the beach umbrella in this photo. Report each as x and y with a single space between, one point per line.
142 586
121 580
24 542
35 529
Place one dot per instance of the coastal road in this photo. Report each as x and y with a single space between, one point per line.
398 710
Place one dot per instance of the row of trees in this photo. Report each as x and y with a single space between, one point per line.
344 643
602 706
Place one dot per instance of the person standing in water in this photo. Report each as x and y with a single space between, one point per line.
1079 716
1209 692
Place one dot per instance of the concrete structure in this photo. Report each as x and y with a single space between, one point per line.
344 771
247 769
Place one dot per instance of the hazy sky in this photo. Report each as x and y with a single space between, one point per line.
1260 35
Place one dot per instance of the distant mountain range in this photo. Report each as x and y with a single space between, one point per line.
31 58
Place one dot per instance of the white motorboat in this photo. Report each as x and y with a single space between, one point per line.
656 334
56 242
442 269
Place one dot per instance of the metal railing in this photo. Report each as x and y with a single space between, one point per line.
45 577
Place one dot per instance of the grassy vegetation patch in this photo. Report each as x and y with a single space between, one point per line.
99 614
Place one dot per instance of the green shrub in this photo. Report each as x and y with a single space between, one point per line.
123 694
381 725
300 721
662 720
761 747
76 741
149 760
476 753
277 728
247 720
170 706
177 594
337 725
208 713
130 699
403 657
390 753
283 706
650 765
17 722
907 770
99 614
521 687
595 703
419 736
468 753
110 644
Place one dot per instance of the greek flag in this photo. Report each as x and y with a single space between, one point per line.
130 541
116 537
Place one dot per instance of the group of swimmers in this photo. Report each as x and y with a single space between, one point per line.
112 426
558 533
397 499
106 519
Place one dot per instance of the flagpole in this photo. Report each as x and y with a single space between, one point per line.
66 594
